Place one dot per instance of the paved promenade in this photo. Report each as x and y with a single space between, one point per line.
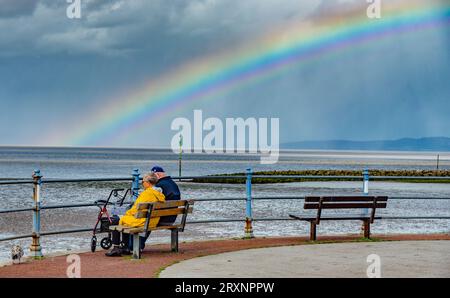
397 259
158 257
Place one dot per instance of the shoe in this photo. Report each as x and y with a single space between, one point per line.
115 252
126 251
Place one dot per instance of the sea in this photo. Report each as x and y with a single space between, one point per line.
86 163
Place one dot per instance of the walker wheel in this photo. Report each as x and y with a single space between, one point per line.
93 243
106 243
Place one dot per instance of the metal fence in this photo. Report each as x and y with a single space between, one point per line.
37 181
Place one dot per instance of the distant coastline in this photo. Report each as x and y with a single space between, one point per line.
438 144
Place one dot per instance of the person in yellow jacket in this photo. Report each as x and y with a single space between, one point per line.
149 195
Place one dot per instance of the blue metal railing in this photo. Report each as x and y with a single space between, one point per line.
135 179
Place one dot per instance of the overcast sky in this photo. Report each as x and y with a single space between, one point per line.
54 70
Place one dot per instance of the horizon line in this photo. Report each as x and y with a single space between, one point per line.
169 148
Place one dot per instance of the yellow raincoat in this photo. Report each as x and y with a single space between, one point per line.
147 196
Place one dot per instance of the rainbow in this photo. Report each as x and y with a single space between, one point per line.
251 63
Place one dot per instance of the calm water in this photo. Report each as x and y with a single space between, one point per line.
94 163
81 163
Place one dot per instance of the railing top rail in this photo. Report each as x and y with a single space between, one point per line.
311 177
12 182
46 181
227 177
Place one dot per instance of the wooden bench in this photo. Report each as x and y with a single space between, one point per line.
152 210
343 202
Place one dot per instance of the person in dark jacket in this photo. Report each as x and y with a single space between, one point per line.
169 189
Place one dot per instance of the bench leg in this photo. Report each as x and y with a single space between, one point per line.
366 229
136 247
174 240
313 231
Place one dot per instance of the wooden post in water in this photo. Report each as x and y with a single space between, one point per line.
437 163
180 157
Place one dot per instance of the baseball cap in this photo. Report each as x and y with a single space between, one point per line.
157 169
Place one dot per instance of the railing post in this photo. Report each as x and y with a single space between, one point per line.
35 248
366 182
135 185
366 193
248 213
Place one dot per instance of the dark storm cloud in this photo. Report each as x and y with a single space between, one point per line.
118 27
15 8
391 88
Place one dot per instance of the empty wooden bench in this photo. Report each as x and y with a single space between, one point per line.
342 202
152 210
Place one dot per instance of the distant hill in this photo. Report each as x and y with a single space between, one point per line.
405 144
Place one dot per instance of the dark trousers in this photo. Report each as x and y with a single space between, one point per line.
126 239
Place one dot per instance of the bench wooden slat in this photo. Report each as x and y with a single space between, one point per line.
128 230
162 212
165 227
167 212
164 205
168 204
346 199
344 217
171 204
328 205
